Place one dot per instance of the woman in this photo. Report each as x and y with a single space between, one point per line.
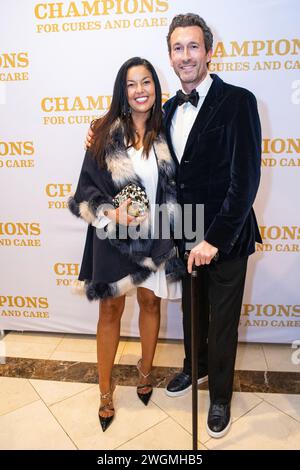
128 147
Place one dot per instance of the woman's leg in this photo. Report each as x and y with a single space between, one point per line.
108 335
149 322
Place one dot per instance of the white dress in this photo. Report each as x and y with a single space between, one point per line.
146 169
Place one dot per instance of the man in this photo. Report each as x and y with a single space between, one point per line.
216 142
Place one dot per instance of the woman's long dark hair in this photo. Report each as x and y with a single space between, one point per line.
120 109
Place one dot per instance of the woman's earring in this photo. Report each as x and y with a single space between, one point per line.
126 112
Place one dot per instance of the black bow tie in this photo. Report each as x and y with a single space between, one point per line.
182 98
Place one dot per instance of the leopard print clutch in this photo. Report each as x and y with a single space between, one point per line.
139 200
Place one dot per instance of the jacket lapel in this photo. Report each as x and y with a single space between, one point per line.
205 115
168 121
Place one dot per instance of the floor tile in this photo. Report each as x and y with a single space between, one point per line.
34 337
15 393
167 354
32 427
83 350
51 391
263 428
279 357
179 408
32 350
289 404
250 356
158 438
77 344
78 415
131 352
77 356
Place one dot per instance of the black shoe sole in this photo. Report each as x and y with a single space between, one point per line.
217 435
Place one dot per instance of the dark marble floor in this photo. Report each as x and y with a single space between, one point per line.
85 372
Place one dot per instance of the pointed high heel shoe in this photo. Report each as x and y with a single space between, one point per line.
144 397
105 421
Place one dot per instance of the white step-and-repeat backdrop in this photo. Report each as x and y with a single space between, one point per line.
58 62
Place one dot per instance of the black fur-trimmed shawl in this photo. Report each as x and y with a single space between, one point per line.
137 257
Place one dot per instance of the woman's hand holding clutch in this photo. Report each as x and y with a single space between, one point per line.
122 216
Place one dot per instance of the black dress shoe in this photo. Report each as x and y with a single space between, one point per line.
105 421
144 397
219 420
182 383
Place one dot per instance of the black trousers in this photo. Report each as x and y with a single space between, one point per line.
220 288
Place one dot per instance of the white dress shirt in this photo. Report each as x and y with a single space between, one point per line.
185 116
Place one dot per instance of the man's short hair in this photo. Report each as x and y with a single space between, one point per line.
191 19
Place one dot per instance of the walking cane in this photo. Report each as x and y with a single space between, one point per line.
194 333
194 347
194 355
